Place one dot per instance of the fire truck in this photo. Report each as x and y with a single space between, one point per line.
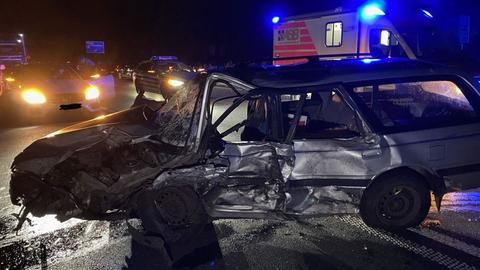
337 34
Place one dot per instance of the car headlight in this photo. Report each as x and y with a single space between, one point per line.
34 96
175 83
92 92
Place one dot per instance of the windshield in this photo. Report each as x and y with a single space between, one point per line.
174 119
46 72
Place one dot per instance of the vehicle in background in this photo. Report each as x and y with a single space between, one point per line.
12 53
12 49
124 72
375 136
338 34
161 75
35 89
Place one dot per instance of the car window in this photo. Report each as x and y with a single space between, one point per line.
324 115
417 104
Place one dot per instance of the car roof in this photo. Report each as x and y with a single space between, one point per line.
335 71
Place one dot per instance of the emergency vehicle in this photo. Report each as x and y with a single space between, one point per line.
339 34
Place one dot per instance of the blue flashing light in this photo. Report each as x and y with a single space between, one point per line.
275 20
369 60
427 13
371 11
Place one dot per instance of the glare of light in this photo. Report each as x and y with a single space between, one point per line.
9 79
151 71
371 11
34 96
53 134
385 37
95 76
427 13
275 20
92 92
369 61
100 117
20 35
175 83
19 40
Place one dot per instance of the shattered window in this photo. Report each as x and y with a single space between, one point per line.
174 119
238 115
324 115
417 103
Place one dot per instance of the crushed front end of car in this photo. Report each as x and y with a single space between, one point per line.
93 169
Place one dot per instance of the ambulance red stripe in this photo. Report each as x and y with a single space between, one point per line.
291 25
294 54
295 47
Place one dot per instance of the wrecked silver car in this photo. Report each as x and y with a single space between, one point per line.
326 137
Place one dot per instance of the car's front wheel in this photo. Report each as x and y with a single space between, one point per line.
396 202
175 212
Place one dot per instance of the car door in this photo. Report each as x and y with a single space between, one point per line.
332 144
430 123
255 167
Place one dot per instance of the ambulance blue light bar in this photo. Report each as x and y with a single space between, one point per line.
163 58
371 11
275 20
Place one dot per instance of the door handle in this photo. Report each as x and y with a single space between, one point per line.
372 153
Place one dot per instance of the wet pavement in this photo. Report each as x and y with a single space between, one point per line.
449 239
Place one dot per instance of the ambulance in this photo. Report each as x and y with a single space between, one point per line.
338 34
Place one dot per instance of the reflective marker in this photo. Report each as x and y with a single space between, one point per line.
427 13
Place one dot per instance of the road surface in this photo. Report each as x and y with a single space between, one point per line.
447 240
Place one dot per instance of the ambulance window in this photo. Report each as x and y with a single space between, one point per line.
334 34
384 44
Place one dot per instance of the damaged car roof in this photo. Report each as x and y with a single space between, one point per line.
334 71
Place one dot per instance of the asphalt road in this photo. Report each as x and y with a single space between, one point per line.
447 240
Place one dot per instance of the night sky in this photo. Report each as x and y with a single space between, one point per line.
212 31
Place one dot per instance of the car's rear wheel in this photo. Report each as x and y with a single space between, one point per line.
396 202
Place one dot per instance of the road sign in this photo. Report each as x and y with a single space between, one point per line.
95 46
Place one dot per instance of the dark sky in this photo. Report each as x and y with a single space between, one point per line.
210 30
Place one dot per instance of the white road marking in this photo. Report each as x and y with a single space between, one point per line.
426 252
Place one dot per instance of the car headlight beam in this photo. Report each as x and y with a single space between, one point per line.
34 96
92 92
175 83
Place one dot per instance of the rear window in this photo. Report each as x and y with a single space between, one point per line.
413 105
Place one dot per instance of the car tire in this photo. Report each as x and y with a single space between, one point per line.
396 202
175 212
